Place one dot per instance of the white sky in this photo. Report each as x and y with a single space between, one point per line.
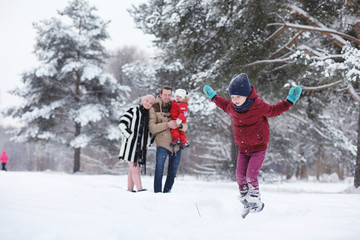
18 35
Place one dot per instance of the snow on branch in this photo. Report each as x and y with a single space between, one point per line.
323 30
318 88
276 33
310 51
279 60
313 21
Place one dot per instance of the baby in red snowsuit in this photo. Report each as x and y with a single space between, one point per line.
178 112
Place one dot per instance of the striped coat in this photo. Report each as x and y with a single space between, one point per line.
134 125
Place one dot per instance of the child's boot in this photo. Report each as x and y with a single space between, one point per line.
246 209
185 145
255 203
175 142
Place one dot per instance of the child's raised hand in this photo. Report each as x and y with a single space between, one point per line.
209 92
294 94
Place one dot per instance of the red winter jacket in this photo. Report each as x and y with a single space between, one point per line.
4 158
179 110
252 131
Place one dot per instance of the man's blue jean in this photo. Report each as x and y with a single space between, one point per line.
174 161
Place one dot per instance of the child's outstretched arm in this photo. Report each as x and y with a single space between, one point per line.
277 109
221 102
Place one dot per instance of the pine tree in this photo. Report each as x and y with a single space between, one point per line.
69 100
206 42
320 38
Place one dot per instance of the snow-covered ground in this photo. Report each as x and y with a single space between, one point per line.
48 205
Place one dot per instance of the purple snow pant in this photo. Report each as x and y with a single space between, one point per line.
247 171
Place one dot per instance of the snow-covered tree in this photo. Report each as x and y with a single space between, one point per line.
69 100
322 39
209 41
206 40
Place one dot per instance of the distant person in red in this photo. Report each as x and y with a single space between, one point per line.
4 158
178 112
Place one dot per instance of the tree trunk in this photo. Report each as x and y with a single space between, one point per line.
341 171
302 171
234 150
288 172
77 160
357 166
77 150
319 166
77 125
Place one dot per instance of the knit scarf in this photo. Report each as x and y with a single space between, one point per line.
245 106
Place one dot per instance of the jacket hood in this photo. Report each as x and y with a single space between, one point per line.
253 93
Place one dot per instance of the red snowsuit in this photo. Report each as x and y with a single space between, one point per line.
179 111
4 158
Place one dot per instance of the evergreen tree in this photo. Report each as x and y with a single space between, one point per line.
206 42
319 38
69 100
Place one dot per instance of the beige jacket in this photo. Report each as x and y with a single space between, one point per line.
158 124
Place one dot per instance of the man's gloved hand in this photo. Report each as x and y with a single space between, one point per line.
294 94
209 92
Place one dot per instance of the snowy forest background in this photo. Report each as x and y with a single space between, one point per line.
75 96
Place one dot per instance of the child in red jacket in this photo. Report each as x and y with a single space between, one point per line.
4 159
178 112
251 133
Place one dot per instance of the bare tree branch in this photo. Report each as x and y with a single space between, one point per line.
324 31
356 6
279 60
318 88
357 25
291 42
314 22
353 93
275 34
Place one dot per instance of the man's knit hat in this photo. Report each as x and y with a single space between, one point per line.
240 85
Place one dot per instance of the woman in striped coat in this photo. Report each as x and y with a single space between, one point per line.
134 125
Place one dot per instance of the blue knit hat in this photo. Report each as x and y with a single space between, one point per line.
240 85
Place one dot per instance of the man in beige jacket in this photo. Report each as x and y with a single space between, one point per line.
160 124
